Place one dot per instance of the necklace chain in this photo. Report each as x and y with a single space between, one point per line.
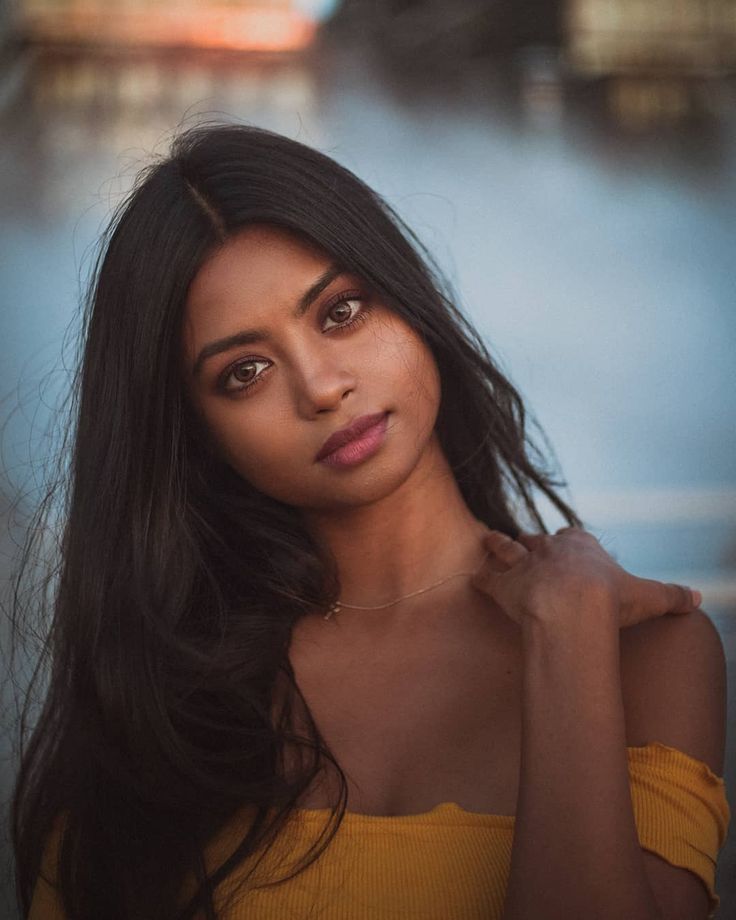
338 604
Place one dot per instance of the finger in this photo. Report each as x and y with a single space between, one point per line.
579 531
530 540
485 578
505 549
682 599
659 597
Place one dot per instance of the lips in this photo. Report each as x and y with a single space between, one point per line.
345 435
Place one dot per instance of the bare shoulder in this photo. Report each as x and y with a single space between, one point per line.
673 679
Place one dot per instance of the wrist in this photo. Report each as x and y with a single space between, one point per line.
598 617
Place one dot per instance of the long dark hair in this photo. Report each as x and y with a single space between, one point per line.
170 698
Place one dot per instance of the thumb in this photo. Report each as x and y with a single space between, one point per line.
504 549
503 554
485 579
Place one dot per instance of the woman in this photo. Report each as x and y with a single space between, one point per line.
304 659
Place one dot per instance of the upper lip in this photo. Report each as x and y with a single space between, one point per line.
350 433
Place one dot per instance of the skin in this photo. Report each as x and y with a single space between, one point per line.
379 518
346 356
422 703
555 579
462 694
447 652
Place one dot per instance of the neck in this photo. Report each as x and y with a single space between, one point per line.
417 534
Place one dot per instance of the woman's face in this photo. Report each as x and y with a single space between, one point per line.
282 348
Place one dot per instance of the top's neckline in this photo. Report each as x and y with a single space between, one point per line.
447 809
439 811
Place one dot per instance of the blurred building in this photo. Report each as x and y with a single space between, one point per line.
658 58
651 37
419 34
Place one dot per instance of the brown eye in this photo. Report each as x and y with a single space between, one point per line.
345 312
244 373
244 376
340 312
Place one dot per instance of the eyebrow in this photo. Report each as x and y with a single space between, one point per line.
249 336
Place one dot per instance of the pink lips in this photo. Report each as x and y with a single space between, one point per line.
355 442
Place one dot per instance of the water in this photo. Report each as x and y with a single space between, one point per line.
597 263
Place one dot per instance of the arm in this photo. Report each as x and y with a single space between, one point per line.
674 681
576 852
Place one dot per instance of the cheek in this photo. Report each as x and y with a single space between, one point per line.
419 387
259 452
398 372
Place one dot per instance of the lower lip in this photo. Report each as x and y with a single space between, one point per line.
360 449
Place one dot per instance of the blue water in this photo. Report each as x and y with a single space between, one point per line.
598 265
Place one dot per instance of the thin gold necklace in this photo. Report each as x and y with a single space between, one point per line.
338 604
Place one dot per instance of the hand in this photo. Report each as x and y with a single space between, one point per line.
550 577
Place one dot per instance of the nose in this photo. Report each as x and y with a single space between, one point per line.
322 381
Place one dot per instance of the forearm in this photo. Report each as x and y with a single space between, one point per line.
575 852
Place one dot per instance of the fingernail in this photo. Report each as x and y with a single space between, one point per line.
697 597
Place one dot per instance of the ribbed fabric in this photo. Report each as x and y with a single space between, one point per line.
451 863
681 810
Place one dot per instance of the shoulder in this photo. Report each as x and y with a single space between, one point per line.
673 679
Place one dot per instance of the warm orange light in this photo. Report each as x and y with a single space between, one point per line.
261 30
250 29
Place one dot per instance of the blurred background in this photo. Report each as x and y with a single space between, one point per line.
571 164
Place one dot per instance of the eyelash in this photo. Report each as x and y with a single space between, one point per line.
360 317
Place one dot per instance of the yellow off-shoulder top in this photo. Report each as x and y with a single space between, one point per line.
449 862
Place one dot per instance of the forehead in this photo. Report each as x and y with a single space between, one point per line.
260 265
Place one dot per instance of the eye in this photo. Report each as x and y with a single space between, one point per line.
346 310
245 378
